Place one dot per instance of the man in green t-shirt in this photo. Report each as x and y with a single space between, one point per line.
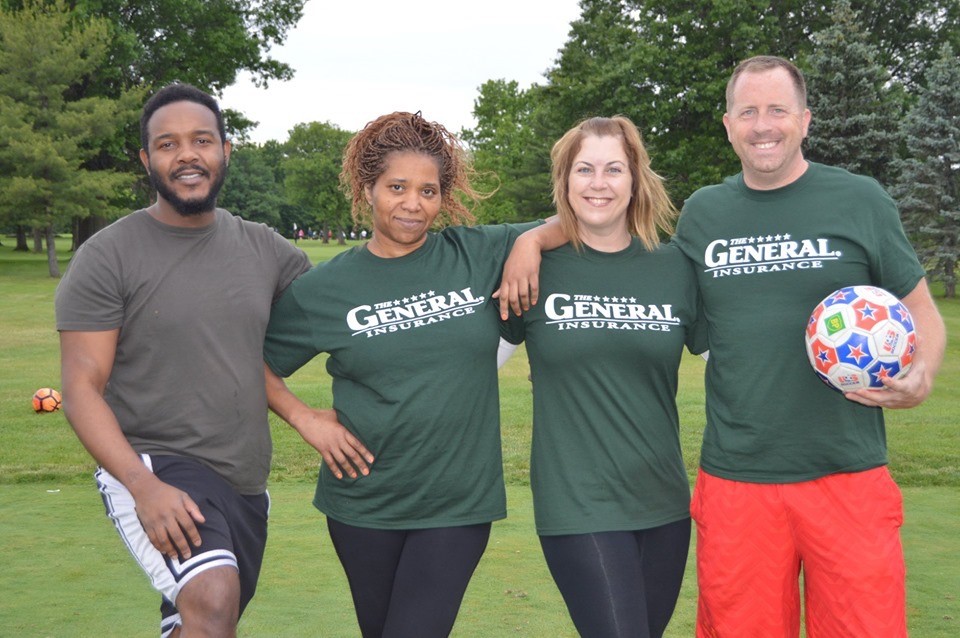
793 475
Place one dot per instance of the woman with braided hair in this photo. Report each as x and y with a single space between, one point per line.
412 475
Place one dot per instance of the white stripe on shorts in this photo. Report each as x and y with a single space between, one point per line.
166 578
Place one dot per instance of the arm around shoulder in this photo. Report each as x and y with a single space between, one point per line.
520 284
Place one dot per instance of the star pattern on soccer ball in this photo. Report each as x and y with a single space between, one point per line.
856 352
867 312
903 313
883 372
840 296
823 355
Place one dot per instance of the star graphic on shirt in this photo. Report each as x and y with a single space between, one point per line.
786 236
751 240
633 300
423 295
396 302
769 237
431 293
778 237
606 299
597 299
406 299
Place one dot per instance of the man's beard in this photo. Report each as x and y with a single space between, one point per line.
190 207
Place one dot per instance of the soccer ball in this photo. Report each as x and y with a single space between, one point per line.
46 400
859 335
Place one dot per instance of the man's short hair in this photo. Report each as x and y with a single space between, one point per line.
761 63
178 92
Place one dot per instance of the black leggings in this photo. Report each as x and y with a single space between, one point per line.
620 584
408 582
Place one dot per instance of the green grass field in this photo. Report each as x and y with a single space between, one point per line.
65 573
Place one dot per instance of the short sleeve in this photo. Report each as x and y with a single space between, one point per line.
90 296
293 262
288 344
513 329
894 264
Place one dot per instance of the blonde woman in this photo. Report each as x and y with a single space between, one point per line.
611 495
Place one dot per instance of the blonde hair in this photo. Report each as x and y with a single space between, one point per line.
649 209
366 155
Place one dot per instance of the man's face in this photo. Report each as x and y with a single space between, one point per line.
186 159
766 124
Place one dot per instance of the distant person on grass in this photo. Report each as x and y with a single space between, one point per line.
412 337
161 318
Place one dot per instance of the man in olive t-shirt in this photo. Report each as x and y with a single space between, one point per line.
162 317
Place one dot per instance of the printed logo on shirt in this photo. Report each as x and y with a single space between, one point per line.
579 312
409 313
765 254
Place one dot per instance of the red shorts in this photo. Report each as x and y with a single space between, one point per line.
842 531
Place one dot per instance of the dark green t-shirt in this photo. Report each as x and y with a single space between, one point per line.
764 260
412 344
604 343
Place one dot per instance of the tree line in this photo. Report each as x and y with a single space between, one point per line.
883 82
73 76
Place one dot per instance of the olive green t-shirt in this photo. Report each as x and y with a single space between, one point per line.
192 305
604 344
412 344
764 260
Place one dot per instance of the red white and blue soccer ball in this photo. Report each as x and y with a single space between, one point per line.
859 335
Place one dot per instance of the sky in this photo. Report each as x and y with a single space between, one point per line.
355 60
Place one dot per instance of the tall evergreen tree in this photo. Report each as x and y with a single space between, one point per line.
928 190
46 133
154 42
854 105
